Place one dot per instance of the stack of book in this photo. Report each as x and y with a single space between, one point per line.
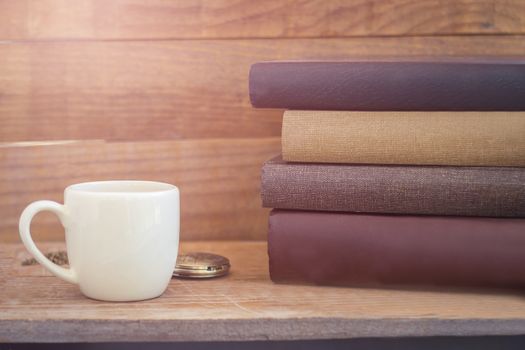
396 172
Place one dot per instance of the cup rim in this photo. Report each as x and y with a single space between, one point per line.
104 187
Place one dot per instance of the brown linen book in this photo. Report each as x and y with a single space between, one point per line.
409 84
432 190
375 250
434 138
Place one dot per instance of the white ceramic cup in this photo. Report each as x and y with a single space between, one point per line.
122 237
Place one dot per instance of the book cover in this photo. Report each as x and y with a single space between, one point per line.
379 250
430 190
431 138
384 85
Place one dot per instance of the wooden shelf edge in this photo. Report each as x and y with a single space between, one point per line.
249 330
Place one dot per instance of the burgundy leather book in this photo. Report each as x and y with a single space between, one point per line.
427 190
463 84
374 250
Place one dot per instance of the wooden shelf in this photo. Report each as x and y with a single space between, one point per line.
246 305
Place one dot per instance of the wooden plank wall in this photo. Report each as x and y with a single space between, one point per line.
157 89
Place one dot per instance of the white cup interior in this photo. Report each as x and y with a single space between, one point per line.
125 186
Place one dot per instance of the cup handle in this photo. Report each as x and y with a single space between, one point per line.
25 234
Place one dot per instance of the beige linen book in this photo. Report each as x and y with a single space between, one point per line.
433 138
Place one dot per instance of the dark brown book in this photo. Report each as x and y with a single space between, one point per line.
427 190
376 250
444 85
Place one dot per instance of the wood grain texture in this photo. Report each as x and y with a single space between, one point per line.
160 19
245 305
218 179
173 89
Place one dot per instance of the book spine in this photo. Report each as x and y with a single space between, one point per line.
426 138
430 190
429 86
368 250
